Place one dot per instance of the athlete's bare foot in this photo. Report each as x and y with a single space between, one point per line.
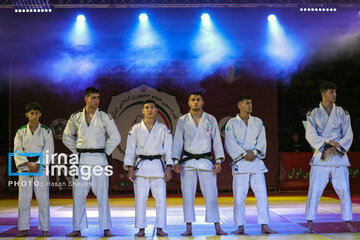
218 230
107 233
265 229
240 230
188 231
160 232
74 234
350 228
140 233
23 233
309 227
46 234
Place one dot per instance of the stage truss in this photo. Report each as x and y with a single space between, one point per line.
187 3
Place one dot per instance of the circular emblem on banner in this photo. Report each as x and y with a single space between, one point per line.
57 126
222 125
126 107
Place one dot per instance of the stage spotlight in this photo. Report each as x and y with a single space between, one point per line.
50 10
46 10
271 18
143 17
80 18
205 17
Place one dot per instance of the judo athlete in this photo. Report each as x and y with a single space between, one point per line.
245 141
194 133
328 130
33 138
147 143
85 134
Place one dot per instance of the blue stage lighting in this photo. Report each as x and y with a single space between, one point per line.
143 17
205 17
80 18
271 18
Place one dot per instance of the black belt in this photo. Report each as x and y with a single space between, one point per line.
189 156
33 159
88 150
149 157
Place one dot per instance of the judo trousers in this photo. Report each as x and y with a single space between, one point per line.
99 186
319 178
39 185
142 186
207 180
241 183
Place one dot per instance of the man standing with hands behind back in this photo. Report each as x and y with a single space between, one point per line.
86 134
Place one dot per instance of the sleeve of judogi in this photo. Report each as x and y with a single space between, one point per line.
48 148
69 133
18 147
217 144
260 147
113 132
178 142
311 133
232 147
347 132
167 148
130 151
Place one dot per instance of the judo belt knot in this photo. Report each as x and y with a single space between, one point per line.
33 159
189 156
150 158
88 150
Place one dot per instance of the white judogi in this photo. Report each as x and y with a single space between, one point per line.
238 139
197 140
149 174
40 142
78 135
320 128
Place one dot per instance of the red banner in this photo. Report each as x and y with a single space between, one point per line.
295 171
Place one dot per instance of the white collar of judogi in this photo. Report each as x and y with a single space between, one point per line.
241 120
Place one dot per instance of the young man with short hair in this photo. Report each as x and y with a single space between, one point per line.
86 134
245 141
148 161
197 132
33 138
328 130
